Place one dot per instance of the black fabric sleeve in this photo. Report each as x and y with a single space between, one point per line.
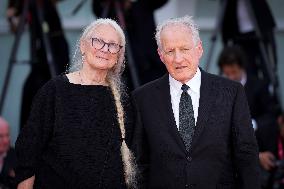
140 147
34 136
101 6
268 105
98 6
245 150
153 5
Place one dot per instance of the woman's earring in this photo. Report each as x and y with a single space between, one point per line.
83 58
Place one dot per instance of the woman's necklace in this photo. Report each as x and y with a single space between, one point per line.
82 82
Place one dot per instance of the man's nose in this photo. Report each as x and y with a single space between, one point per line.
178 57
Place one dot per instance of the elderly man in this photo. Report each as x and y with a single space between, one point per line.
193 129
7 157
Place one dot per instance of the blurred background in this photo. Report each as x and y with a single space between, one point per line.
205 13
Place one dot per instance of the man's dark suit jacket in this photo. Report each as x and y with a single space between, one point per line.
267 138
262 105
7 178
264 110
224 152
230 28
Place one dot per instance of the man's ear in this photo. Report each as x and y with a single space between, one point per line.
200 49
161 54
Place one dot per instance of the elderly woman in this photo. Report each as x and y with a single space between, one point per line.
76 132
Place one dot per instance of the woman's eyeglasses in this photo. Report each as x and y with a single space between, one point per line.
99 44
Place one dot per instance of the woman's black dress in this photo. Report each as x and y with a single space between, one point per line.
72 138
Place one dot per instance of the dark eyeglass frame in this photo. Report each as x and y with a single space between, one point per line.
105 43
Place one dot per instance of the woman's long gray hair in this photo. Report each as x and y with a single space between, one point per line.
114 81
77 62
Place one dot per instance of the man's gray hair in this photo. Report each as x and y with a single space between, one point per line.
185 20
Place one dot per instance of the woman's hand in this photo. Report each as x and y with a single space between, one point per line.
27 184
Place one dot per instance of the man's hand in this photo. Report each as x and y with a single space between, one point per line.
267 160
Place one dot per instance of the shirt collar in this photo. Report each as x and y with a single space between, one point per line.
244 79
194 83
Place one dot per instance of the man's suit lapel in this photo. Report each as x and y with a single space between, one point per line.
207 96
165 105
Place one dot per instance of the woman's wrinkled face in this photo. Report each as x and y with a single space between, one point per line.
101 47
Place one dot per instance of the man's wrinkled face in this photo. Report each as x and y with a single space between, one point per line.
179 53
